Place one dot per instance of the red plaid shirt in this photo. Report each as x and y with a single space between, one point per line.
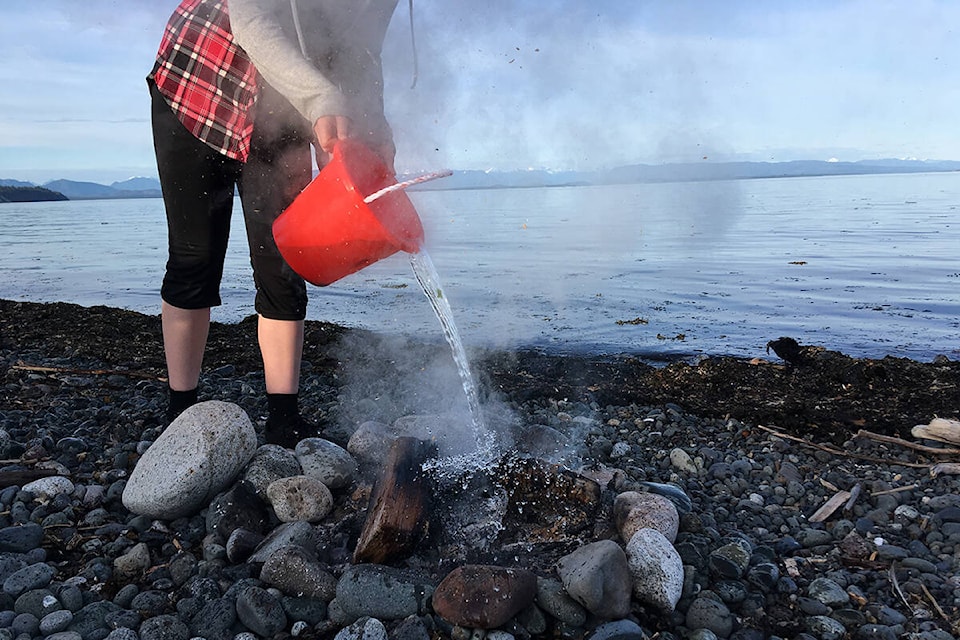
208 80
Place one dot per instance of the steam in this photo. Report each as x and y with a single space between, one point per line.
390 378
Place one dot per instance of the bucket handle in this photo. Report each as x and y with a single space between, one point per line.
407 183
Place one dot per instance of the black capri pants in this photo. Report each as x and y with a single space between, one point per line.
198 190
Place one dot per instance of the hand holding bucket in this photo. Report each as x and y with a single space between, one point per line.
353 214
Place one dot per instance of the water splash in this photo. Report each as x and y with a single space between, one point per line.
429 280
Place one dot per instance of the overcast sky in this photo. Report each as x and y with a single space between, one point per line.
559 84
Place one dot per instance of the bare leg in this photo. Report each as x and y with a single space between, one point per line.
184 340
281 345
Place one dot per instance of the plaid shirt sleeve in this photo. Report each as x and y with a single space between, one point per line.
208 80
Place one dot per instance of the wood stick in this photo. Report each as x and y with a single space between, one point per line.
830 506
933 601
905 443
909 487
896 586
20 477
839 452
20 366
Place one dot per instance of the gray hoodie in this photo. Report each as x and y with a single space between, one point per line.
341 73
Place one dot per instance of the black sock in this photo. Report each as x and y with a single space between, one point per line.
180 400
283 409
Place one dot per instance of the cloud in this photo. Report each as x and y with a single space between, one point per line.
516 84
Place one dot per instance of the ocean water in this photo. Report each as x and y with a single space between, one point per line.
867 265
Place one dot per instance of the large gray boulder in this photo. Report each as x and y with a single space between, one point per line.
195 458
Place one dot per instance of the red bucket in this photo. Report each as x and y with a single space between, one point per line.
329 232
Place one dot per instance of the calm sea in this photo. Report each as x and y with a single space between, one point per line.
867 265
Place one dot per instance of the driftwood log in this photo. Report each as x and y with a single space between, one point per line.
398 513
938 429
20 477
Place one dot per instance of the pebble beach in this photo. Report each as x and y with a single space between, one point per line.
747 529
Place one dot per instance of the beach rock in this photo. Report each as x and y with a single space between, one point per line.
163 627
825 628
196 457
21 538
554 600
382 592
327 462
34 576
828 592
270 463
731 560
366 628
261 612
618 630
681 461
296 573
300 498
52 486
707 613
215 619
371 442
634 510
241 544
483 596
597 576
656 569
299 534
239 507
131 566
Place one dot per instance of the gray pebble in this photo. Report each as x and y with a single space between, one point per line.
56 621
164 627
825 628
261 612
34 576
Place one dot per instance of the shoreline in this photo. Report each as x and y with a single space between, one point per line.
828 395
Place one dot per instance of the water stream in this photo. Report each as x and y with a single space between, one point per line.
429 280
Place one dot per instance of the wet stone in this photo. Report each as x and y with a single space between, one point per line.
730 560
764 576
828 592
598 577
482 596
554 600
618 630
707 613
809 538
825 628
261 612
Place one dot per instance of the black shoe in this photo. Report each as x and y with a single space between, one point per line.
289 432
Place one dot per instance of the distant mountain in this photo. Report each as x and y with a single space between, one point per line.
140 187
137 183
95 191
15 183
684 172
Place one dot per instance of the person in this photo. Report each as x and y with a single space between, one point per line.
239 91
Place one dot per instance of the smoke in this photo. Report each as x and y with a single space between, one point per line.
389 378
577 87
